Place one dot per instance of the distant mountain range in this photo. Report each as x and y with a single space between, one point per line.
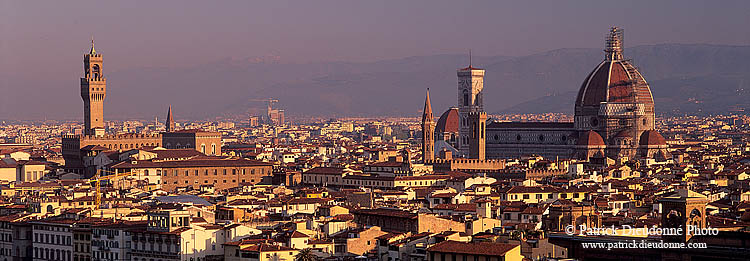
692 79
685 78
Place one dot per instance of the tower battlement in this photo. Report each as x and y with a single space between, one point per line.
93 92
477 113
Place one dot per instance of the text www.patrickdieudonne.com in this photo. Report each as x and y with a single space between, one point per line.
640 244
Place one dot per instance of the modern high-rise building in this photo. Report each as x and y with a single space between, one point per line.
93 92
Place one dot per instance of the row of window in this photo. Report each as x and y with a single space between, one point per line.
129 146
51 254
52 239
82 258
107 232
85 248
106 256
6 237
51 228
159 247
105 243
206 172
5 252
549 196
205 181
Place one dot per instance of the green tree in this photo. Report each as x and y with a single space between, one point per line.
306 255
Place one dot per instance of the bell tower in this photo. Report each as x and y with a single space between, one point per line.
470 86
93 92
428 131
477 141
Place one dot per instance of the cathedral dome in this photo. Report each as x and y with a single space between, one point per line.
448 122
615 79
652 138
590 138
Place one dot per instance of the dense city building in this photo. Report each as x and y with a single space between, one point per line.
467 186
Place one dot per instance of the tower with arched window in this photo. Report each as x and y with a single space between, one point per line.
681 209
470 86
93 92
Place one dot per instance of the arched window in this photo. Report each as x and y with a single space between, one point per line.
466 98
96 71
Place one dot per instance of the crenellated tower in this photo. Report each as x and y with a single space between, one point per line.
93 92
477 133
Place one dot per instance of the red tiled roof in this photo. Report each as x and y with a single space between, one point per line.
297 234
325 171
385 212
197 162
264 247
423 177
590 138
477 248
610 82
530 125
652 138
175 153
535 189
448 122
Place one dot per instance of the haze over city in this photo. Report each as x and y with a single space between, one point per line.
147 44
374 130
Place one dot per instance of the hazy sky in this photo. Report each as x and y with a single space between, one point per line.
47 38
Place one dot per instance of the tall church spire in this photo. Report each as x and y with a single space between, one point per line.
427 112
428 131
170 121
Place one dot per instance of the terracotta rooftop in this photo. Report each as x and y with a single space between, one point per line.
590 138
385 212
197 162
652 138
530 125
448 122
477 248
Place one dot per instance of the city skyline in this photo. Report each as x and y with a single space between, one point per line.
337 130
157 46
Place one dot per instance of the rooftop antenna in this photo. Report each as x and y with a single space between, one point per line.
469 58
